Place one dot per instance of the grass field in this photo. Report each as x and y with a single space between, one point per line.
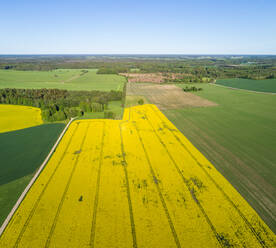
239 137
133 100
69 79
22 152
137 182
113 106
268 85
116 108
15 117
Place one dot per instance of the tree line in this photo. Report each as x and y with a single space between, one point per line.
59 105
197 67
192 88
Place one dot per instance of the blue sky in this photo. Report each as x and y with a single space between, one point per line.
156 27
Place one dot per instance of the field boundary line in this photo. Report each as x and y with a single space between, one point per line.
96 199
26 190
43 191
250 91
124 164
251 228
176 239
60 205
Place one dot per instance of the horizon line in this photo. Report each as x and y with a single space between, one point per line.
139 54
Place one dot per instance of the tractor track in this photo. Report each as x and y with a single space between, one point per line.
65 191
184 179
252 229
176 239
124 164
43 191
96 200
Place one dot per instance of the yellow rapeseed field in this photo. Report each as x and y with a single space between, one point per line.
13 117
137 182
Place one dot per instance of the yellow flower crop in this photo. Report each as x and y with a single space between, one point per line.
133 183
13 117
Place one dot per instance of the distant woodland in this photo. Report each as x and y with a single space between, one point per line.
196 68
58 105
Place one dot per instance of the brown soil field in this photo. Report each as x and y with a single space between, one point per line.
167 96
144 77
151 77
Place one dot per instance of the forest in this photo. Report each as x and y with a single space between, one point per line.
59 105
195 68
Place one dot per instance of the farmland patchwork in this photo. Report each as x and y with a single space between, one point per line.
133 183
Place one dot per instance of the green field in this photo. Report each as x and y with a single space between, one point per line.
239 137
133 100
268 85
113 106
69 79
22 152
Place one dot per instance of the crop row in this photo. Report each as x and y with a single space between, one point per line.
133 183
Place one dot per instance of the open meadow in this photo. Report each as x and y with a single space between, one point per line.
67 79
124 183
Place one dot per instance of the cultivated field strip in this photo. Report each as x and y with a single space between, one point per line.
133 183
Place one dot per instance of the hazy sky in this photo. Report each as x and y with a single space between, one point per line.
187 27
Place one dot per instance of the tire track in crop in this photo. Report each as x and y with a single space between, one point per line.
186 182
252 229
159 190
96 200
43 190
65 191
124 164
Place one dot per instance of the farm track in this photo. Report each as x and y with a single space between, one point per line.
220 189
132 183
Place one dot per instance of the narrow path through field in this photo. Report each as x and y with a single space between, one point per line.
255 233
186 183
124 164
96 200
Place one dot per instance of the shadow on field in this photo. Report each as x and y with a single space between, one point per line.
23 151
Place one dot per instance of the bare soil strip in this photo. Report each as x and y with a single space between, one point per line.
156 78
144 77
